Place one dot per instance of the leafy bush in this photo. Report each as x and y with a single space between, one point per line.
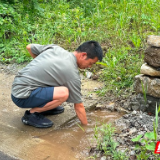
121 26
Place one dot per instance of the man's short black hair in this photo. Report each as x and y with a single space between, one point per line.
92 48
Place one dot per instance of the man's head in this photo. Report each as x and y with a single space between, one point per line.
88 53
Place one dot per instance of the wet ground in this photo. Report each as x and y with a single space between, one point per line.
5 157
73 142
66 140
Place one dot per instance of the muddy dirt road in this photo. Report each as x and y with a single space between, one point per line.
28 143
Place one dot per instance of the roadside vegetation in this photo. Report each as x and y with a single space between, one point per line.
144 144
120 26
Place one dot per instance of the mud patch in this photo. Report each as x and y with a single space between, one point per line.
55 143
71 141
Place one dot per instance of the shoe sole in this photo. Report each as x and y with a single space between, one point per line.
35 125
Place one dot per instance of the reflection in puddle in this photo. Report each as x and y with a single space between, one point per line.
71 142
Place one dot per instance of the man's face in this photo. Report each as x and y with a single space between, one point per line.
85 62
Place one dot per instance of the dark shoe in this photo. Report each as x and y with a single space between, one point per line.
54 111
36 120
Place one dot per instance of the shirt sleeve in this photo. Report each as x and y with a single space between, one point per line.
74 91
38 49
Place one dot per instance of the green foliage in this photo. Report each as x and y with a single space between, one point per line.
121 25
104 138
15 24
120 69
148 145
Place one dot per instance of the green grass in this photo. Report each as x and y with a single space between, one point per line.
120 25
106 143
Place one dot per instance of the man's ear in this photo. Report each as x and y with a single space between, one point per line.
84 55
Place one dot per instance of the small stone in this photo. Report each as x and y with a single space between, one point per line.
94 77
135 107
126 116
95 89
133 157
110 106
132 153
88 74
99 106
136 124
103 158
90 96
98 154
123 135
134 112
132 130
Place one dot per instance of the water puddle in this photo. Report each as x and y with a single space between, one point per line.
70 142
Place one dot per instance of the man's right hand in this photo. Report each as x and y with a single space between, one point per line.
81 113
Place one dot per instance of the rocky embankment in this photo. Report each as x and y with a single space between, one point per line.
129 126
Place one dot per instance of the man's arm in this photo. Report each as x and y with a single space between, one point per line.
81 113
29 50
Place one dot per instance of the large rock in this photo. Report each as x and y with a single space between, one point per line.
152 56
153 41
148 70
147 85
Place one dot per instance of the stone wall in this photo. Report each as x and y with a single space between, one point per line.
147 84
